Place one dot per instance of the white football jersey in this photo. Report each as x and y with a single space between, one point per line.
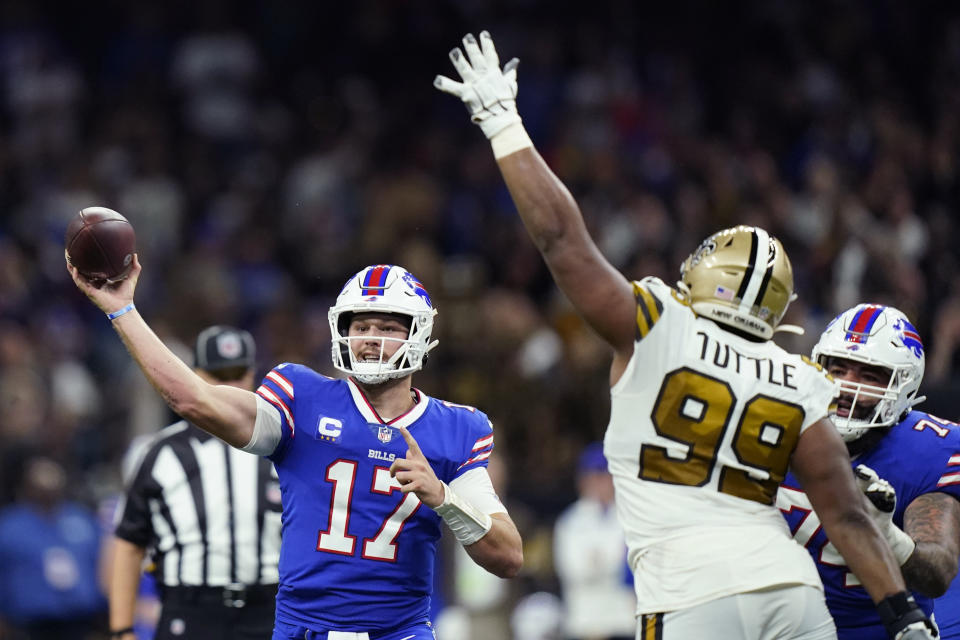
702 426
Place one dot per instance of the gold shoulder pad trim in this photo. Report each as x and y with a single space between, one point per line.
817 366
649 309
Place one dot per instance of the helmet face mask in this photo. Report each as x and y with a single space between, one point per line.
873 336
382 289
740 277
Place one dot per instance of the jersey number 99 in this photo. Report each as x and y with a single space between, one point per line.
695 410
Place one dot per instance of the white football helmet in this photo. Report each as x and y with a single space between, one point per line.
880 336
382 288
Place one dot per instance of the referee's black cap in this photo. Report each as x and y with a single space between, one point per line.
222 347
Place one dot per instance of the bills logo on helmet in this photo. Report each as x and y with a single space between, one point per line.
909 336
418 288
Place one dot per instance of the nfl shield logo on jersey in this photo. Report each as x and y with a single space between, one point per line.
385 434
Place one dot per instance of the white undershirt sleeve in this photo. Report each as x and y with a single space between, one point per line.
267 430
475 487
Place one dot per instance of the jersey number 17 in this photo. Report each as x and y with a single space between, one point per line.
335 539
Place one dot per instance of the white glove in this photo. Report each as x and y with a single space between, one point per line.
904 620
489 93
917 631
882 498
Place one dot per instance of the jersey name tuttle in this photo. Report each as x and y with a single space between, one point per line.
697 474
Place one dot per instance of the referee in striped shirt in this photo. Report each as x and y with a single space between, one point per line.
206 518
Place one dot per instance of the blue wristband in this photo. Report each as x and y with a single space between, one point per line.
119 312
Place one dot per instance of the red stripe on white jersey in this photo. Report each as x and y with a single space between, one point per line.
482 456
483 442
954 460
948 478
281 382
267 394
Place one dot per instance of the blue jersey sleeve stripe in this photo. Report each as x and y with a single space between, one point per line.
267 394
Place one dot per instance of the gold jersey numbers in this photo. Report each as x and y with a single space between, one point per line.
695 410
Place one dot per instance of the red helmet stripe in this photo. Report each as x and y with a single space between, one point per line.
375 280
862 323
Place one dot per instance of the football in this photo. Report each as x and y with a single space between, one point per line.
100 243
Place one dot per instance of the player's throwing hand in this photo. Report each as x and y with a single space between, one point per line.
415 474
109 297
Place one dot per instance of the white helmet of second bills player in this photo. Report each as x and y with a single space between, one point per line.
879 336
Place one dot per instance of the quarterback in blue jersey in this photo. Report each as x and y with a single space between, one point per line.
369 466
907 461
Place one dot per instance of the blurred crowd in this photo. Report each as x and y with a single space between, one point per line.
265 151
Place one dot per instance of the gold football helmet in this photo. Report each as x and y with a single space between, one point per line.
740 277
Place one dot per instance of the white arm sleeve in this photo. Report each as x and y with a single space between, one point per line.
267 430
475 487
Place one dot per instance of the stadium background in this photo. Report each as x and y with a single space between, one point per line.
265 151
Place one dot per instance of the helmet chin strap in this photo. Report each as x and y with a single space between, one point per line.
789 328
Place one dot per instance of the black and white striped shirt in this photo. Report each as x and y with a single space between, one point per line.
208 513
